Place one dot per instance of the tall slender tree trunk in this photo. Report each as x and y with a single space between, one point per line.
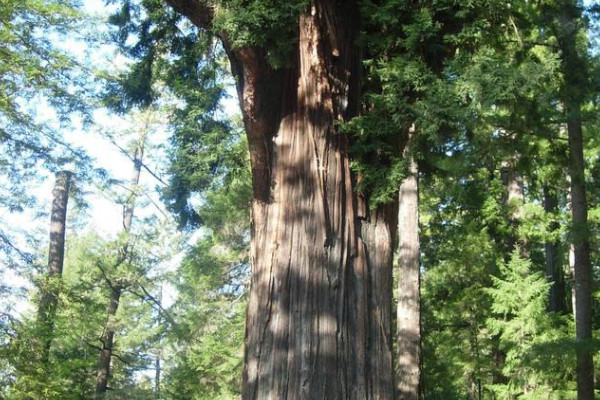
582 266
571 255
157 374
56 256
318 321
409 299
117 286
108 338
568 23
554 270
157 360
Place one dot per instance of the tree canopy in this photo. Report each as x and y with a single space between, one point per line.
257 250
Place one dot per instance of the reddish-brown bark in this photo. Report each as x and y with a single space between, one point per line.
319 310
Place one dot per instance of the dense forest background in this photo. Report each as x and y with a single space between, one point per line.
484 114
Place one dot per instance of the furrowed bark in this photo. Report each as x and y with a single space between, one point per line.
378 232
56 256
319 310
317 322
409 300
314 323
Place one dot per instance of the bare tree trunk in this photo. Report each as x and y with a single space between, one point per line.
117 286
409 299
378 232
554 270
317 323
513 200
571 255
56 255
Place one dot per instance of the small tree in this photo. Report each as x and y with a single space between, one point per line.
532 339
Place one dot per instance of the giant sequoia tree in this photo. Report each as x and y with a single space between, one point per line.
318 319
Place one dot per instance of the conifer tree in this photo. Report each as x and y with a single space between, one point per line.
566 22
118 285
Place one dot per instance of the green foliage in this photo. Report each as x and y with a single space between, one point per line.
34 68
208 336
78 326
267 24
535 342
480 80
142 31
459 255
42 88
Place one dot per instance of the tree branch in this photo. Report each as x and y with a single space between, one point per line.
126 154
28 258
148 297
197 11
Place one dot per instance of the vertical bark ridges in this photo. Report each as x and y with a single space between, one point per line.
317 323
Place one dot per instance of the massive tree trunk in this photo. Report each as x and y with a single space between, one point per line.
56 256
118 285
318 318
554 270
317 323
409 299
